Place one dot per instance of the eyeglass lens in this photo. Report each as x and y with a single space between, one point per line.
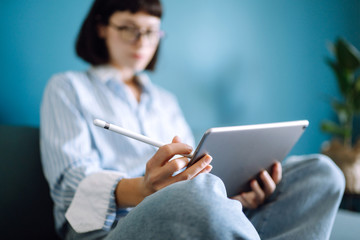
133 34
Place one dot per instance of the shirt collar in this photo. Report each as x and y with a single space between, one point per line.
107 72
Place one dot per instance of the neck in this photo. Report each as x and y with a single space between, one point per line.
128 77
127 74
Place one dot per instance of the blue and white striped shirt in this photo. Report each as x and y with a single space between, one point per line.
83 163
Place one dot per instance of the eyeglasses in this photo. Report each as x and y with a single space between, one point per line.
132 34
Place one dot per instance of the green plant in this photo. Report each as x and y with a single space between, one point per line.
346 67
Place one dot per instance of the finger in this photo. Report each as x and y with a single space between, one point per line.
207 169
259 193
201 165
162 176
166 152
241 199
176 139
195 169
237 197
276 172
174 165
268 183
248 200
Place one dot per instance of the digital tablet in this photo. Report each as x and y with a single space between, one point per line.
240 153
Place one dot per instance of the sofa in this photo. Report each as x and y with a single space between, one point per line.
26 206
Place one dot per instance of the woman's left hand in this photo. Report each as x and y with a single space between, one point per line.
258 195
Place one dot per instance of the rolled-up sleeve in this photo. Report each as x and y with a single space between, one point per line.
93 206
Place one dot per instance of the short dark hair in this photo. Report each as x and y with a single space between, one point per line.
90 47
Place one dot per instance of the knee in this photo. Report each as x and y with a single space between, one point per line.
329 173
187 207
194 209
195 192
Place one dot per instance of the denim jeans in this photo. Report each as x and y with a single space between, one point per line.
303 206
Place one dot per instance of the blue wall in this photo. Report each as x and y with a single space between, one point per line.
229 62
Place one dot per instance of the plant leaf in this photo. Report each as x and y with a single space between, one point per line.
357 95
334 129
357 85
342 110
342 78
348 56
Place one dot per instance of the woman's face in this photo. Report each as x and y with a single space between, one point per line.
131 39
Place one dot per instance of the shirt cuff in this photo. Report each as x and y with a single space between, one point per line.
90 206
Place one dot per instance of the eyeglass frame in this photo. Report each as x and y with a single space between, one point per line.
137 31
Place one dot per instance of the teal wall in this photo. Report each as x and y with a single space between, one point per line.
230 62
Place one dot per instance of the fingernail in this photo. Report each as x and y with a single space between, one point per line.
265 174
208 159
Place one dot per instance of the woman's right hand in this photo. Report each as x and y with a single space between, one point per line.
160 173
159 170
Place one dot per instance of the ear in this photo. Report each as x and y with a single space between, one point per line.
102 30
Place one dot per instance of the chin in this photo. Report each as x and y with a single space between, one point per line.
139 67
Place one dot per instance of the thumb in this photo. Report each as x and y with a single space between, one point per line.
176 139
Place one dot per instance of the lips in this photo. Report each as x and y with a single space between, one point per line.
137 56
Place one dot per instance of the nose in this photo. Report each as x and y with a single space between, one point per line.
141 40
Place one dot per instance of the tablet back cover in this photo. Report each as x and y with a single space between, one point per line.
240 153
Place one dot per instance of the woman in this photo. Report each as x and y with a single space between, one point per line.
96 177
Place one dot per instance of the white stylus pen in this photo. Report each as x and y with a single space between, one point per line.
130 134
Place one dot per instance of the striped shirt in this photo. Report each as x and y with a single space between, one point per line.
83 163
